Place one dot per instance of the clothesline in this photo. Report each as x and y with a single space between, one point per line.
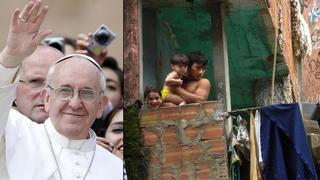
245 109
226 114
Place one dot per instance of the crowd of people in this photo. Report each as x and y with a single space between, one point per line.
184 84
49 99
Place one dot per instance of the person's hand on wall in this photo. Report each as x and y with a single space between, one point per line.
24 34
82 48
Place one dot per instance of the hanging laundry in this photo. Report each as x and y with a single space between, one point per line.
255 172
257 123
242 132
285 151
239 150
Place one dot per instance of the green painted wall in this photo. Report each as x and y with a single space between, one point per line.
246 39
192 31
247 52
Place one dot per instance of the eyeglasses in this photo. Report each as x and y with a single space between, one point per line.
66 93
34 83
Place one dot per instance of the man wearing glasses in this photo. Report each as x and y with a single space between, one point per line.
32 76
64 146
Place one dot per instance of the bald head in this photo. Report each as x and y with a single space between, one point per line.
73 96
73 60
43 56
32 76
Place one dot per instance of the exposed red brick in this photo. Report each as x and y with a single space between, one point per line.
173 154
209 106
170 136
154 159
185 175
170 113
288 53
191 153
203 170
179 156
149 117
191 132
190 111
166 176
166 169
203 174
212 131
202 165
217 146
149 138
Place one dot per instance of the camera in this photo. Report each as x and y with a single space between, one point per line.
55 42
101 39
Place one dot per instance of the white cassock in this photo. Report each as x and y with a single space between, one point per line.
26 154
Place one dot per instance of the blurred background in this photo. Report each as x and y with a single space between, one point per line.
72 17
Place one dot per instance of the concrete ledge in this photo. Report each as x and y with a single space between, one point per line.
150 117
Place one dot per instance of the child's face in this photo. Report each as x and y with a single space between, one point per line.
154 100
181 69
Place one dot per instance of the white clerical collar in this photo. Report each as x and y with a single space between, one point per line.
81 145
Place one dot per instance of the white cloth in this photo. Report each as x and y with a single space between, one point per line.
25 151
257 128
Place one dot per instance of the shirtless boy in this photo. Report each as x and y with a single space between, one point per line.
179 66
195 87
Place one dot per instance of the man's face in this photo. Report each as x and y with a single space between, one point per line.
196 71
113 87
73 118
181 69
154 100
34 70
114 134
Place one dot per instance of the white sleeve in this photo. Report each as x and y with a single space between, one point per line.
7 75
7 94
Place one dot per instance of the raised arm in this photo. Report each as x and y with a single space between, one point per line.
82 48
24 34
172 79
200 94
23 38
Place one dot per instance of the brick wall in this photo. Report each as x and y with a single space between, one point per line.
311 65
288 54
186 142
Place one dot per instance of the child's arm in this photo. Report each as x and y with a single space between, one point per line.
199 95
173 79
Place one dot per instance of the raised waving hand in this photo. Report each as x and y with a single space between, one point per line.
24 33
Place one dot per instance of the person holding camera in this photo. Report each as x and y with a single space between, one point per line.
65 45
63 147
95 44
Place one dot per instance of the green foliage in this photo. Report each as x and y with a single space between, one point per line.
135 155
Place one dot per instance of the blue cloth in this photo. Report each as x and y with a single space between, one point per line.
285 151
